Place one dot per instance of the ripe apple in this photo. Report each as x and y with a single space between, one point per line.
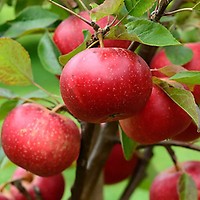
69 33
39 140
50 188
105 84
165 185
188 135
2 197
160 119
117 168
160 60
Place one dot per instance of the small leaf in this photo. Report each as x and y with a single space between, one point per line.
187 77
171 70
37 94
65 58
179 55
138 7
15 63
48 54
108 7
6 94
143 31
6 107
30 19
187 188
182 98
128 145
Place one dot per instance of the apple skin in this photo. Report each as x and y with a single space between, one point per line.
39 140
160 119
105 84
51 188
117 168
69 33
160 60
188 135
165 184
2 197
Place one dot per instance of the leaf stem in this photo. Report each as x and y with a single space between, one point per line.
177 11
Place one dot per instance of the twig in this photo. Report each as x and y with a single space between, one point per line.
139 173
178 10
173 157
172 143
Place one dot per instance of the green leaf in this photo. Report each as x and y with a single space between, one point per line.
128 145
37 94
65 58
6 94
108 7
138 7
187 188
171 70
29 20
179 55
182 98
15 63
187 77
6 107
48 54
143 31
2 157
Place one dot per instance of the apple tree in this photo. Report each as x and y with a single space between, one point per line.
99 99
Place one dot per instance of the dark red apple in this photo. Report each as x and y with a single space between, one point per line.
40 140
189 134
160 60
117 168
105 84
69 33
50 188
165 185
160 119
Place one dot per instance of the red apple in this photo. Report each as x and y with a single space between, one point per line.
189 134
160 119
165 185
2 197
39 140
50 188
69 33
160 60
105 84
117 168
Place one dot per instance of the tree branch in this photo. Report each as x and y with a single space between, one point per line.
139 173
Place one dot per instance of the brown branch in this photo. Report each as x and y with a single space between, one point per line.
139 173
89 167
172 143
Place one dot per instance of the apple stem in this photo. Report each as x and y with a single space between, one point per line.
58 107
100 37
